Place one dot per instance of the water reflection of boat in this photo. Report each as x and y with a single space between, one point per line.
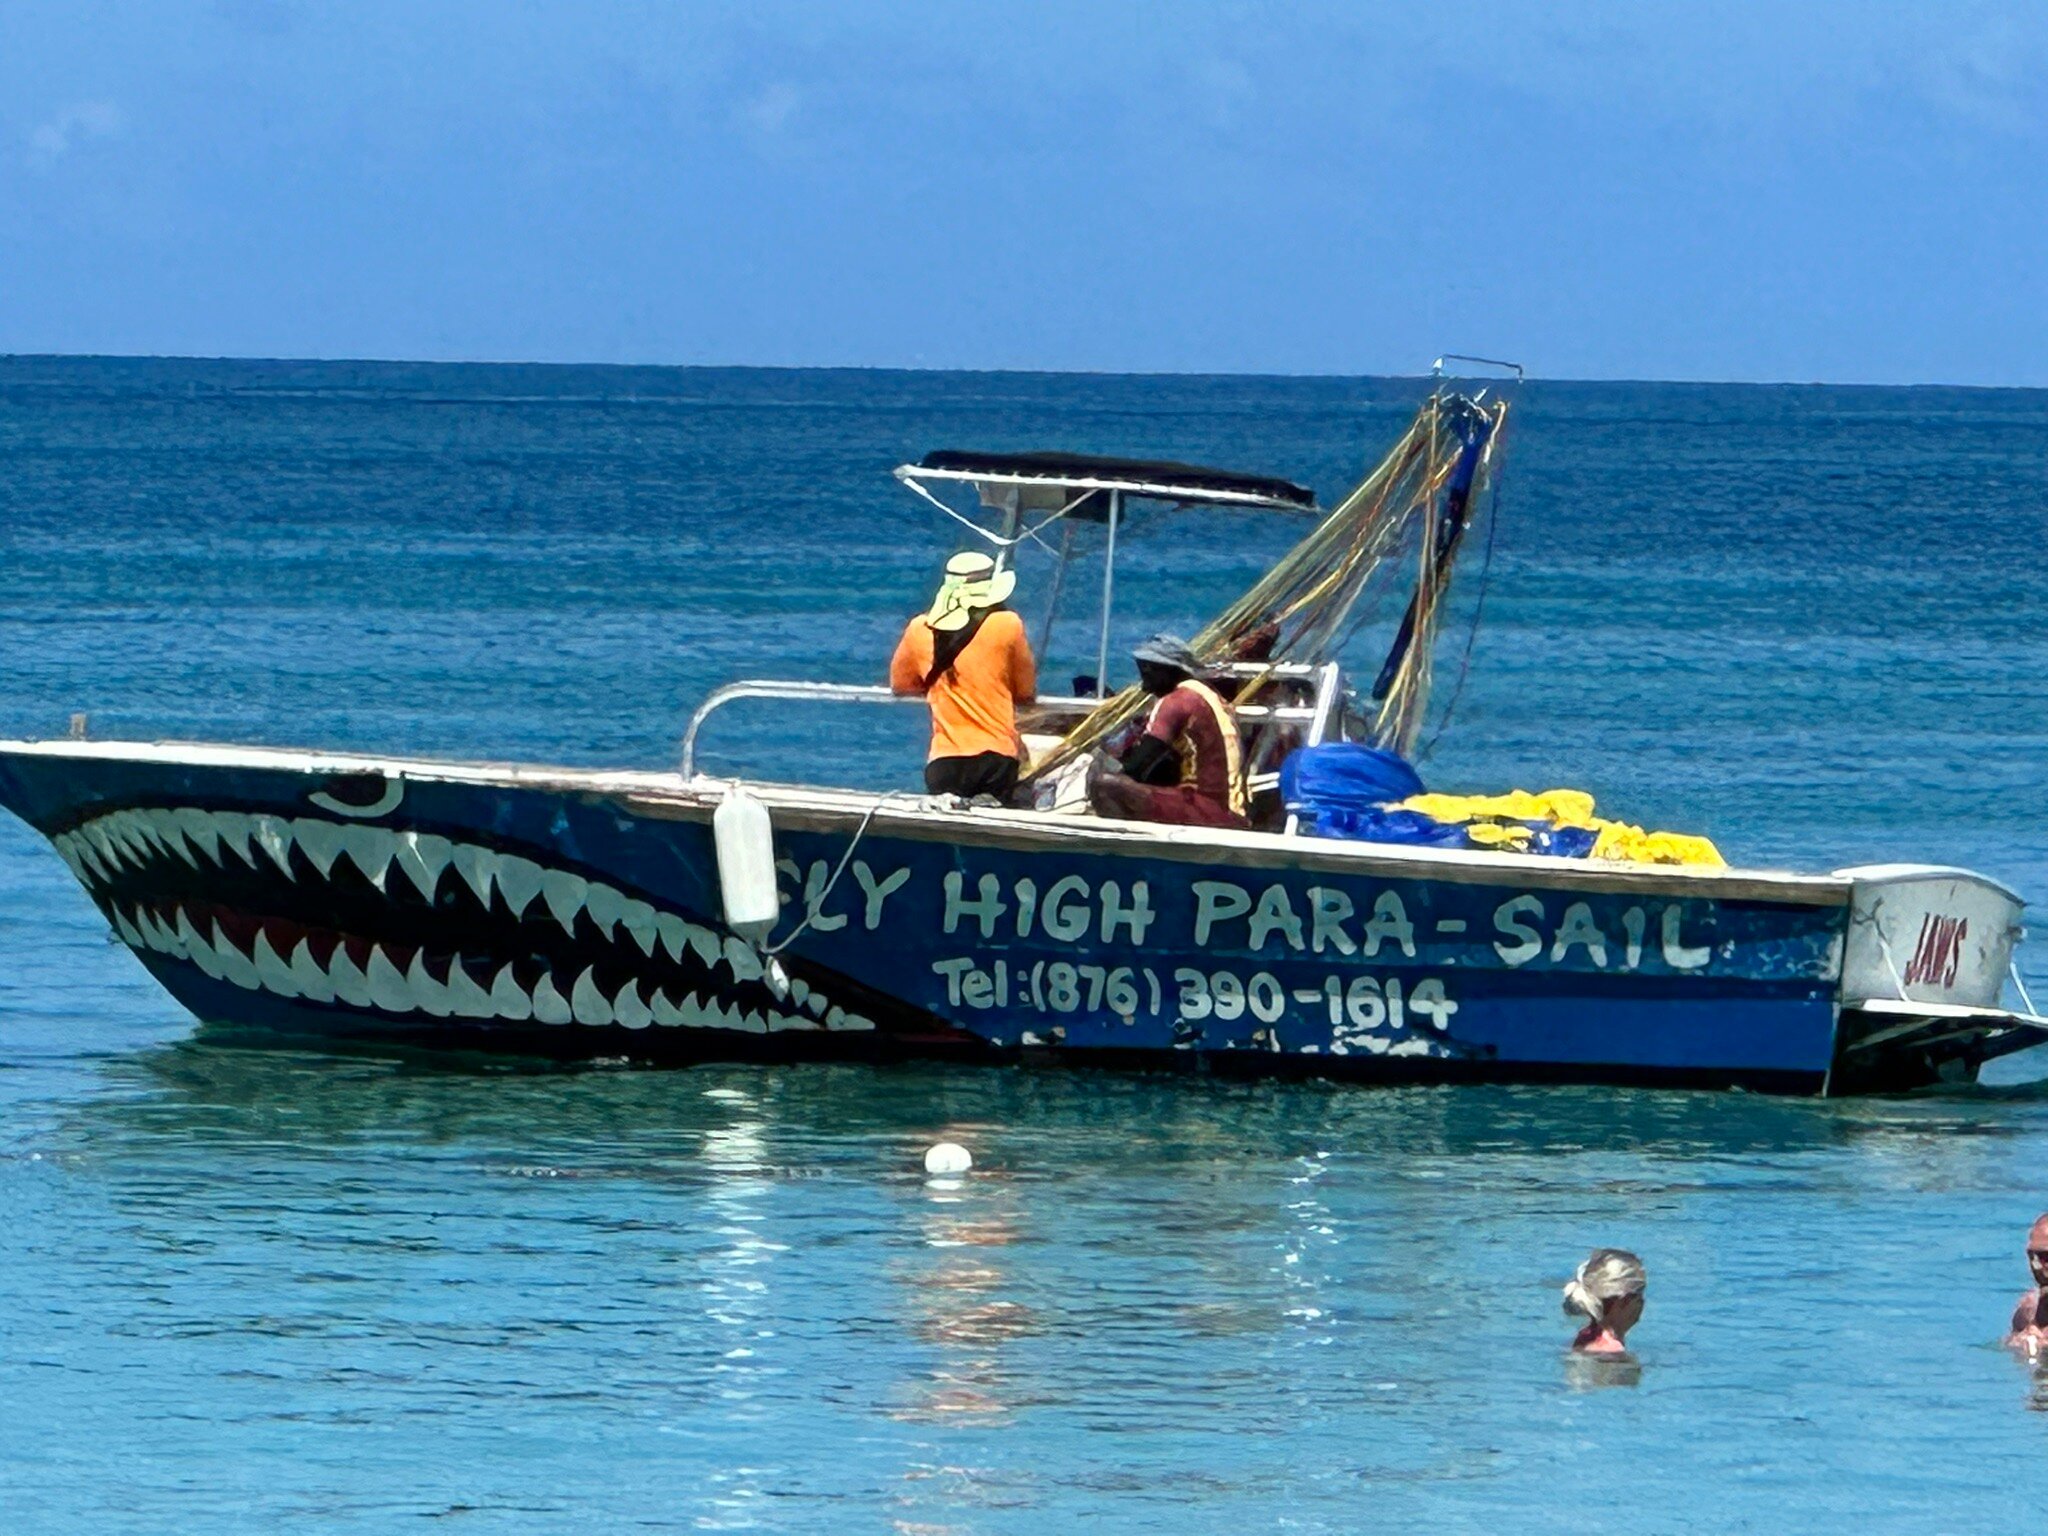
582 912
955 1294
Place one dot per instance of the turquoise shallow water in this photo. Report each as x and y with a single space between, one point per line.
260 1291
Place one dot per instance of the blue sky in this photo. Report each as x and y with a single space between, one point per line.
1849 192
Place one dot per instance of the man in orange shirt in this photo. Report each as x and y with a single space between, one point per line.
970 660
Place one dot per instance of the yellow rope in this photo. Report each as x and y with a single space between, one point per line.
1320 581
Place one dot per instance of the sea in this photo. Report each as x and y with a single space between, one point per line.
265 1290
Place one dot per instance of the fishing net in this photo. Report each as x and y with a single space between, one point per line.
1416 503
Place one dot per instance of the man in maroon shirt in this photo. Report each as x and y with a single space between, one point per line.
1186 767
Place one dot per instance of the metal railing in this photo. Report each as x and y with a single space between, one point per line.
1315 716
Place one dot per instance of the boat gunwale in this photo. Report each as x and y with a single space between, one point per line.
1875 875
912 815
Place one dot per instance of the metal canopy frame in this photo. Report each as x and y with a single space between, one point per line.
1084 488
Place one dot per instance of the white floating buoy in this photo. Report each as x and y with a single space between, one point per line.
946 1158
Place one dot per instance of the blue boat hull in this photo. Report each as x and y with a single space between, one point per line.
576 914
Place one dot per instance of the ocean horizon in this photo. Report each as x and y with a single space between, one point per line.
1534 375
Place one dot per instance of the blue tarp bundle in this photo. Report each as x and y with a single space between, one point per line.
1351 791
1343 789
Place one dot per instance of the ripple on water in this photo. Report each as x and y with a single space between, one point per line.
260 1290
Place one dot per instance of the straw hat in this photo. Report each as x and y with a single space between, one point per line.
972 582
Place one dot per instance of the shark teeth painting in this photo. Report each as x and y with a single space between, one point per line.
418 926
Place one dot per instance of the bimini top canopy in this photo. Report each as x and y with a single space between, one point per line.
1045 481
1029 492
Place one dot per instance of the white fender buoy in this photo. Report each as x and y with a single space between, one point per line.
948 1157
746 865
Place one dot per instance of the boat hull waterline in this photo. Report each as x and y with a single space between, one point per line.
575 913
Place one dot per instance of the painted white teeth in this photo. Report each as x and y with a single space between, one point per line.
107 836
475 865
162 831
274 836
508 998
641 922
157 834
428 995
99 863
564 893
124 829
549 1006
162 935
234 965
74 848
67 850
234 829
370 850
466 999
672 931
272 969
312 980
588 1004
742 960
386 983
197 827
321 842
605 907
171 833
350 984
99 849
518 882
423 856
627 1009
198 950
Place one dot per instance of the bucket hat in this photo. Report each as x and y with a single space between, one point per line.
972 583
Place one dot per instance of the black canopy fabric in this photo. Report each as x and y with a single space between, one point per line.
1169 481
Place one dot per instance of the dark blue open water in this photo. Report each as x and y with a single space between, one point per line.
248 1291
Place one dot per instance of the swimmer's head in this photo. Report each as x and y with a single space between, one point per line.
1607 1291
2037 1250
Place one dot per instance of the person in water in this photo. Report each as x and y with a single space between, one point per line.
968 657
1186 767
2030 1317
1607 1292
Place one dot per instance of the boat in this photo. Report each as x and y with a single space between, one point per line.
679 917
